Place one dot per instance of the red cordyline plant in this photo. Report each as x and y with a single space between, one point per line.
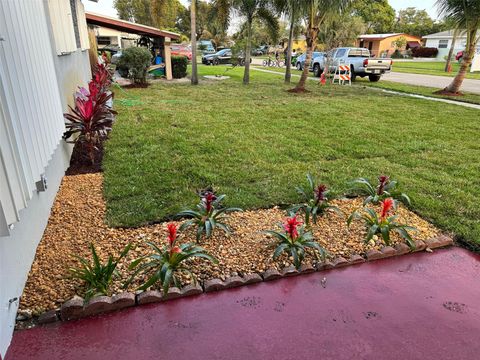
91 119
386 188
383 224
166 262
316 201
294 240
209 216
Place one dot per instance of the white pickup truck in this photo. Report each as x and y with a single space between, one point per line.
359 59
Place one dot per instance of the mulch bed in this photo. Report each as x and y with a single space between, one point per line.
77 219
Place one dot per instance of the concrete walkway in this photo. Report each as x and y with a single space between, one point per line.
469 85
418 306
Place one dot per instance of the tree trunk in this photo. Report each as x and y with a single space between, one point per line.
248 50
193 39
456 84
311 40
450 52
288 70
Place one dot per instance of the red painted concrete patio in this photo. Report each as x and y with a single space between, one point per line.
419 306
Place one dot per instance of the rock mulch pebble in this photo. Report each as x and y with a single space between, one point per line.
77 219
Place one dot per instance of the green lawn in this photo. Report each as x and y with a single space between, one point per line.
256 143
406 88
429 68
419 90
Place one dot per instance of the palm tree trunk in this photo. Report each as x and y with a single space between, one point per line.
288 70
457 82
193 40
248 49
311 38
450 52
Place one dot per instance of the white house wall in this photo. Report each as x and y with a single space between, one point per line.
36 84
442 52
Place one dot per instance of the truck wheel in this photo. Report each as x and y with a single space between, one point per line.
299 66
373 78
316 70
353 76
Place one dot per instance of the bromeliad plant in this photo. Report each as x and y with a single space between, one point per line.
382 224
316 201
166 262
294 240
209 216
97 276
385 188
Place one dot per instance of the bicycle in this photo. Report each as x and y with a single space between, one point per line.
273 63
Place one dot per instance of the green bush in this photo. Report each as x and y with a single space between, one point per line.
179 66
137 60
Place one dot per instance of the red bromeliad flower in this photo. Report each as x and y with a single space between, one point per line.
382 181
172 233
208 198
320 193
387 205
290 226
175 250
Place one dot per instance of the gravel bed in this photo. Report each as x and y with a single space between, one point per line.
77 219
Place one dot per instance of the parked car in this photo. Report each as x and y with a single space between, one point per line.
223 57
360 61
257 52
300 60
206 46
181 50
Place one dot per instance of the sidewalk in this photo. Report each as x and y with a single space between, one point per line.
418 306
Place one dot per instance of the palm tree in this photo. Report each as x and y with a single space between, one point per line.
452 47
292 9
466 15
193 40
316 11
250 9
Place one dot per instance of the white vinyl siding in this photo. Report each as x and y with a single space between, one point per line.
31 119
62 25
82 26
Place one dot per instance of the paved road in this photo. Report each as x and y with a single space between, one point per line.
469 85
419 306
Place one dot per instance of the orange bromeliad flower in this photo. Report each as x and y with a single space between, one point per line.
387 205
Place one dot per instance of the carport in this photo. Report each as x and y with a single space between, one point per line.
161 38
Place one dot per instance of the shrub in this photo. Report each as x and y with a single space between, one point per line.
386 188
179 66
316 201
397 54
209 215
91 119
166 262
97 276
383 225
137 60
294 240
424 52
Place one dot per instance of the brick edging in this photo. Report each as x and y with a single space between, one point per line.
76 309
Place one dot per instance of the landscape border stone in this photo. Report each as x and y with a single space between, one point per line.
76 309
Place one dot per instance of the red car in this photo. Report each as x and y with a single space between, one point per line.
182 50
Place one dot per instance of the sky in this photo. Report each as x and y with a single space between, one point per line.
105 7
